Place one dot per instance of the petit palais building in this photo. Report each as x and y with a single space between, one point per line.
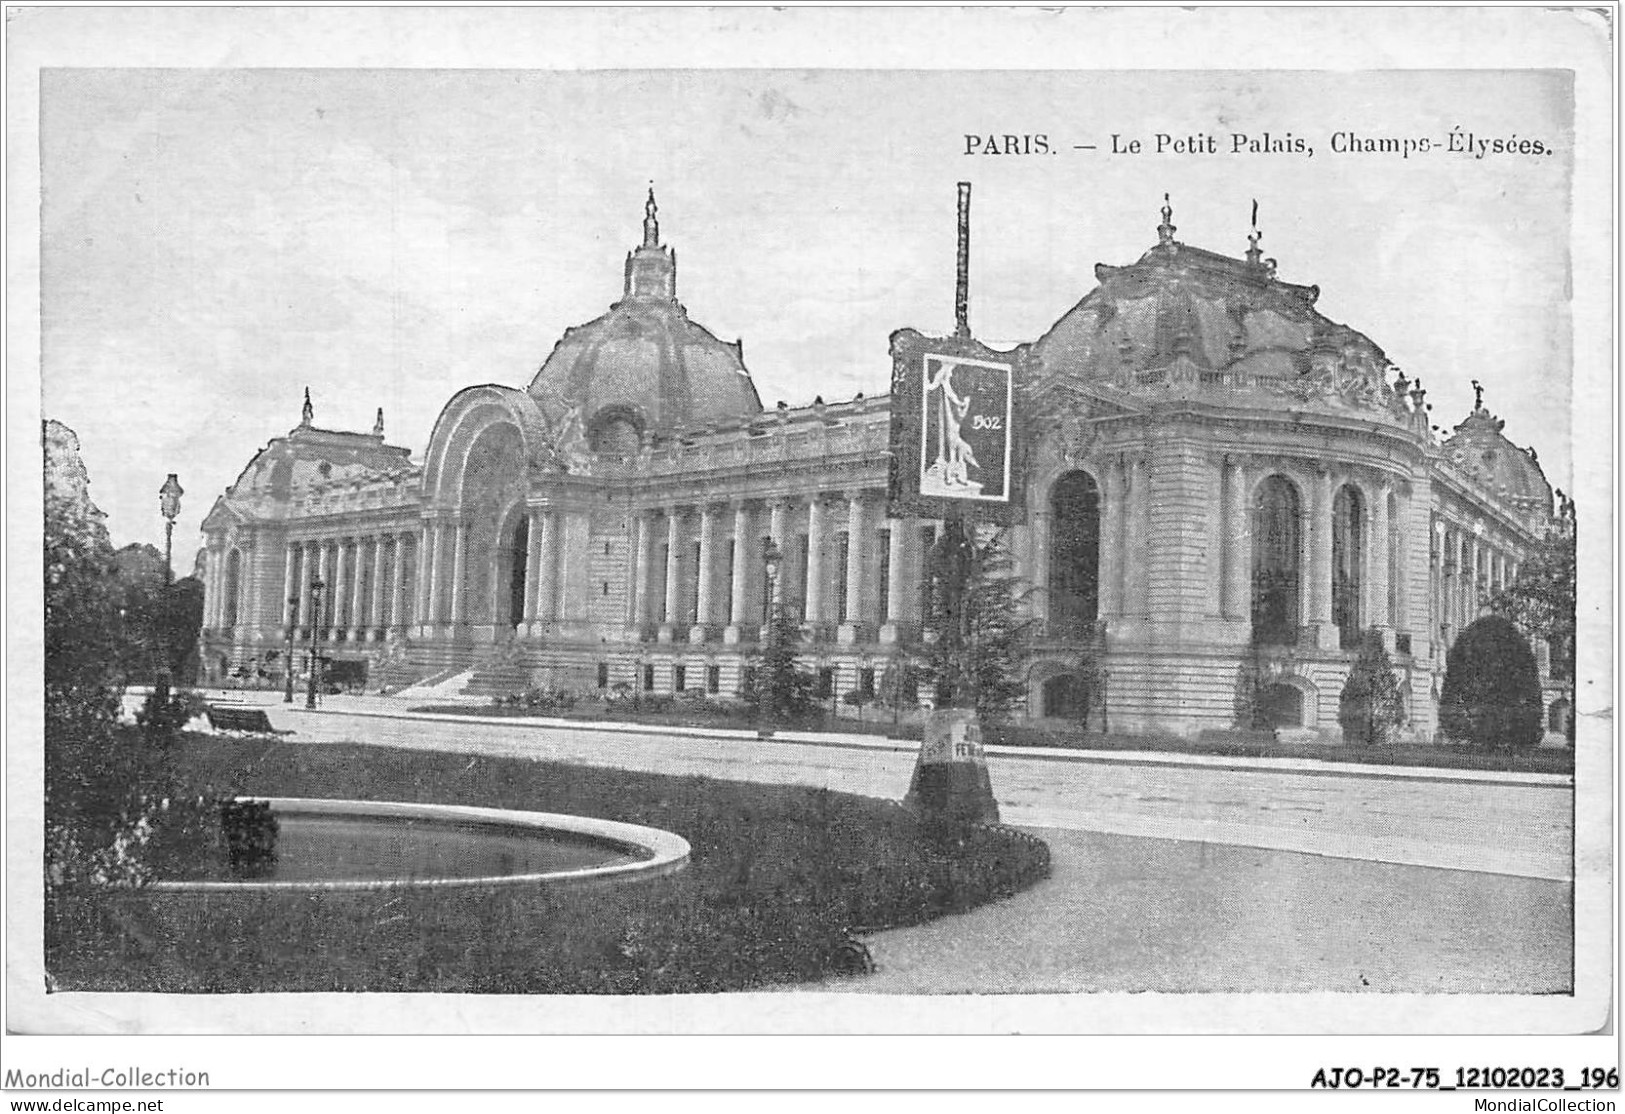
1217 479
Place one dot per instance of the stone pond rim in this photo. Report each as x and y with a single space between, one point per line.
659 852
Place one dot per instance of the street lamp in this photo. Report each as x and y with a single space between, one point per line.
287 665
770 562
770 605
169 504
316 587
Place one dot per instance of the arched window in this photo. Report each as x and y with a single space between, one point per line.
233 586
1074 554
1348 563
1277 553
615 431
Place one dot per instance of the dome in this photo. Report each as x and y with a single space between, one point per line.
644 367
309 459
1479 449
1184 318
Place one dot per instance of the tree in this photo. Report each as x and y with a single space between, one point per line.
980 635
1491 696
1370 706
1541 602
781 690
159 622
110 802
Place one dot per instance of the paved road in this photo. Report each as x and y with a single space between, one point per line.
1496 825
1121 913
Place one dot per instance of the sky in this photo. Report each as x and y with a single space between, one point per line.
216 240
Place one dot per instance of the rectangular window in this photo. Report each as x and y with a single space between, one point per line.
603 675
883 540
826 682
648 678
679 678
842 571
747 682
866 681
713 678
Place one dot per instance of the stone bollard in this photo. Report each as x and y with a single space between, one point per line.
950 786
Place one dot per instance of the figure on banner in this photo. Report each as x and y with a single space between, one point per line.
948 474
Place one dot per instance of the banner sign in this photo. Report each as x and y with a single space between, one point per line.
954 431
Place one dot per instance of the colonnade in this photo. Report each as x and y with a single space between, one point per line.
364 581
1467 569
845 569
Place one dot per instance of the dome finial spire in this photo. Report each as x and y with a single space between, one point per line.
1254 255
307 413
1166 230
378 423
651 223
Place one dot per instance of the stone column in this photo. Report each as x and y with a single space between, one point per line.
533 564
817 566
1378 613
708 591
307 572
1111 540
1320 564
428 562
672 615
744 618
397 581
545 606
779 530
1039 527
375 611
1136 565
358 617
1476 597
1238 542
859 613
288 583
459 569
643 542
323 606
336 585
899 585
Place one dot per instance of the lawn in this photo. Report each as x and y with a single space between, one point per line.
1241 744
779 876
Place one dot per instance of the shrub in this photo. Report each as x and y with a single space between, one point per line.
1370 706
1491 696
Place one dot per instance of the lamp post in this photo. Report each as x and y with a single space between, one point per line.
169 504
287 665
316 587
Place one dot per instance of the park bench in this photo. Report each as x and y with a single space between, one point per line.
252 720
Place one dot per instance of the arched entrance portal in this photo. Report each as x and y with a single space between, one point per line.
1074 554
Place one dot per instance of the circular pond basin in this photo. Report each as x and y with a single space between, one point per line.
374 845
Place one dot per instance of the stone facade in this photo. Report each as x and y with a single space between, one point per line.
1219 480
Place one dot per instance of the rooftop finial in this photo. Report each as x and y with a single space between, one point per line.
1254 255
308 413
1478 395
651 225
378 423
1166 230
